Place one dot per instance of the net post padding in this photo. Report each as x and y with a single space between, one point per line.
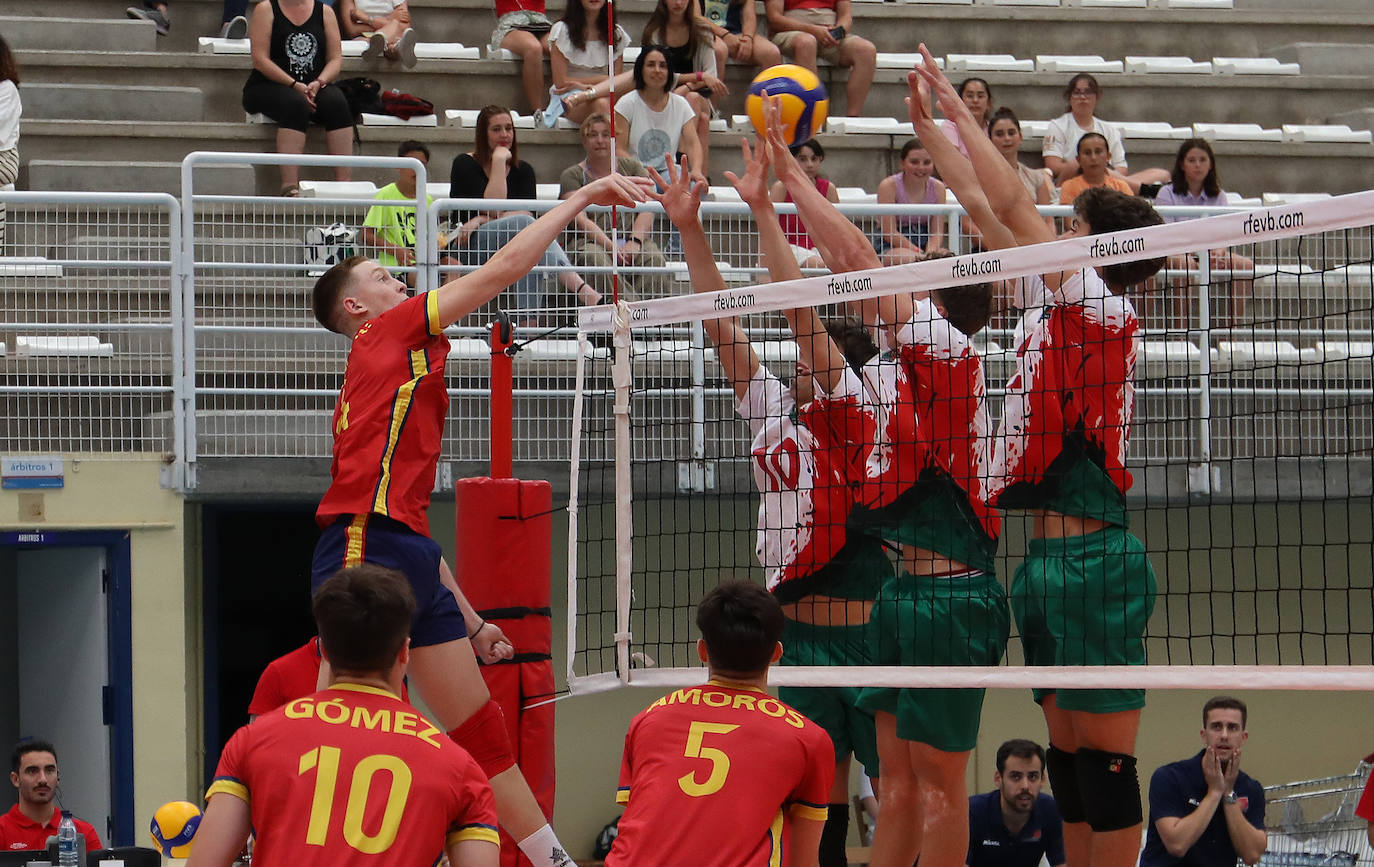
622 378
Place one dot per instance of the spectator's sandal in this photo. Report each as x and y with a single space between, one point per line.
292 191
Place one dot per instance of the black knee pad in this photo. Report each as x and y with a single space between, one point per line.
1110 790
834 836
1063 770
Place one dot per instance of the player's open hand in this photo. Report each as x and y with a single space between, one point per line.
617 189
940 86
681 196
491 644
785 166
918 101
753 185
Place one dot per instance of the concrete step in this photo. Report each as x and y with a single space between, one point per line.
1327 58
162 177
112 102
1360 118
118 36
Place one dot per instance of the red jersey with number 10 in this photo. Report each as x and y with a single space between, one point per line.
712 775
352 776
389 421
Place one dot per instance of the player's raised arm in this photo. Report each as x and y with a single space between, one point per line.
457 298
681 201
818 351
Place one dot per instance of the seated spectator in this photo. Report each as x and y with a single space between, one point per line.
295 87
660 123
579 58
911 238
736 28
1060 146
1005 132
977 95
1194 182
687 41
806 29
1093 155
1015 824
494 170
10 110
29 823
522 28
234 21
390 229
384 25
634 246
810 154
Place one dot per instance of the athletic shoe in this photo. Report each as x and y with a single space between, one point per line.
235 28
376 47
548 118
157 16
405 48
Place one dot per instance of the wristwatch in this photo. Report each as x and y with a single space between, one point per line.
1229 797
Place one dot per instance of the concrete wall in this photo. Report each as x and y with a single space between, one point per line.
126 494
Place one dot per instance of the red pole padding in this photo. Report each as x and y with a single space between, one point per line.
504 564
502 398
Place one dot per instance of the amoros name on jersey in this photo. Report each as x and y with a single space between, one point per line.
764 704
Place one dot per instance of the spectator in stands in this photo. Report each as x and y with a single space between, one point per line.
810 155
977 95
634 246
1093 155
154 11
296 60
659 122
494 170
806 29
683 33
579 58
390 228
1061 139
736 28
522 28
384 25
234 21
1015 825
29 823
10 110
1194 182
911 238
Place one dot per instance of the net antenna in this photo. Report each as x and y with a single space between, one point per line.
615 153
1293 430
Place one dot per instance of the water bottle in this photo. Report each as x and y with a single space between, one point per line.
66 841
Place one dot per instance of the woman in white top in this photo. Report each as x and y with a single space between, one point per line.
579 58
10 109
686 38
660 122
1060 148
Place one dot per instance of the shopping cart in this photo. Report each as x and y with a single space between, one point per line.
1312 823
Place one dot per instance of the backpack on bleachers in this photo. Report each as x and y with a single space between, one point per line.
363 95
405 105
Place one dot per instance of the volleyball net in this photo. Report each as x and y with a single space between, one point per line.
1250 450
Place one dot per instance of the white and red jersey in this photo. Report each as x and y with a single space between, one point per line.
1072 394
804 460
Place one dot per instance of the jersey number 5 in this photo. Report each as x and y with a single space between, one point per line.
720 762
325 762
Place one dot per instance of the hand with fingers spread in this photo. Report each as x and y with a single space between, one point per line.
753 184
681 196
785 165
918 104
940 86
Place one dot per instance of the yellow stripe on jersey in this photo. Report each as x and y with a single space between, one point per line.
400 408
622 796
800 810
775 841
228 786
473 832
362 687
353 540
432 323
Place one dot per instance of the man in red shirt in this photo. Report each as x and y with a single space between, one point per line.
388 427
29 823
291 675
724 775
351 775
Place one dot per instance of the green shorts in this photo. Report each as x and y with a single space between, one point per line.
961 620
833 708
1086 600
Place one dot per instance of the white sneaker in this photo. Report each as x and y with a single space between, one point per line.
235 28
405 48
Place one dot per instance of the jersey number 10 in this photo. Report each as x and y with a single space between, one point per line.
325 762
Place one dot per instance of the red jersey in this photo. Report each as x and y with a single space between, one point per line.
18 832
292 675
353 776
504 7
389 421
711 775
1365 809
1070 400
792 225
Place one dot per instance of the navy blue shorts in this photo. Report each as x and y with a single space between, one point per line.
382 541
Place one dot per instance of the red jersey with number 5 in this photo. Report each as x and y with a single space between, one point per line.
712 776
389 421
352 776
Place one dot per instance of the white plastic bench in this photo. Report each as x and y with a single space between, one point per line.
393 120
1196 4
1254 66
1177 357
501 54
856 195
1241 354
50 346
446 51
1035 128
1236 132
1076 63
987 63
547 192
1025 2
888 60
461 117
1110 4
215 45
338 189
1335 133
1292 198
940 2
1170 65
256 117
1151 130
871 125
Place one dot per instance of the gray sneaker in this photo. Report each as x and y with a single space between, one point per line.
376 47
405 48
235 28
157 16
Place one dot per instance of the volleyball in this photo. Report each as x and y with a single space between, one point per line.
173 826
805 103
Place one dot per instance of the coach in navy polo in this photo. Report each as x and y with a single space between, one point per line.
1205 811
1014 825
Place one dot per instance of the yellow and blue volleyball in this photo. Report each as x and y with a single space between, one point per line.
173 826
805 103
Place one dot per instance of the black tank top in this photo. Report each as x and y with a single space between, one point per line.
300 51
